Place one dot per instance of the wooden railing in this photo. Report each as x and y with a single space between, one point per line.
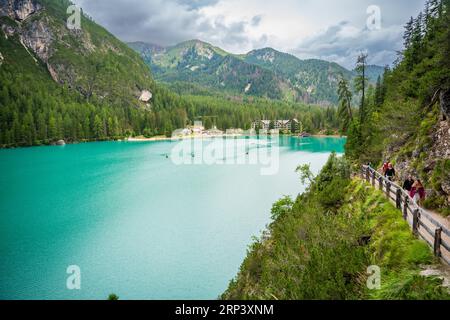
422 222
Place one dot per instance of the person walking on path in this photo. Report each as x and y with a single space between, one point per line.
390 172
407 185
385 168
418 191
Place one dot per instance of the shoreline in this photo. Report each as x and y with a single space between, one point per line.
156 139
161 138
327 136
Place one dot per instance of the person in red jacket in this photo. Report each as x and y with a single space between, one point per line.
418 191
385 168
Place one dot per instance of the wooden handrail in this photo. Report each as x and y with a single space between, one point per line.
404 202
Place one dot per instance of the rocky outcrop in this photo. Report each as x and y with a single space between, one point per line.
35 35
52 72
1 59
441 142
38 37
146 96
19 9
431 156
444 99
8 31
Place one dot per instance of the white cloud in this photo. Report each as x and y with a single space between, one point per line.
328 29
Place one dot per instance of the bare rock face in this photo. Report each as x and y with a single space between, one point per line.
38 38
441 146
24 8
34 35
8 31
19 9
52 72
445 103
146 96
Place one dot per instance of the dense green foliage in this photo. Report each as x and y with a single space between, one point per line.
210 67
401 114
240 113
315 79
321 246
345 105
35 110
260 73
91 60
113 297
401 102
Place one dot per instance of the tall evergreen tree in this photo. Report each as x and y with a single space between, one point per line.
407 37
345 109
361 83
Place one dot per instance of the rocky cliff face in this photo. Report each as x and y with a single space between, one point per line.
35 34
38 37
430 162
19 9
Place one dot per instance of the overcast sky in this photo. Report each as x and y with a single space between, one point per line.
334 30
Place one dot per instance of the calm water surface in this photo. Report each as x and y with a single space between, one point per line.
135 223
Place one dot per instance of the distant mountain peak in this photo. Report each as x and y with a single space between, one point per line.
272 73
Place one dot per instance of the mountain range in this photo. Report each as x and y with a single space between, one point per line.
196 66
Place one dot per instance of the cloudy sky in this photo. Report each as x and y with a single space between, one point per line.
334 30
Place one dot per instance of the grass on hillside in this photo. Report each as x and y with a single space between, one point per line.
321 246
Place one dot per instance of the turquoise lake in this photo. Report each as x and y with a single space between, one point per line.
137 224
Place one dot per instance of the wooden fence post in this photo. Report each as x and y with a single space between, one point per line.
373 177
388 189
416 222
381 183
405 208
368 174
437 242
399 198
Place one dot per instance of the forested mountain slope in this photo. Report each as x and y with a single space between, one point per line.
406 119
316 79
89 59
211 67
261 73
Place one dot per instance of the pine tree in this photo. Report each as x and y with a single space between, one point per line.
407 37
52 128
345 99
361 83
99 127
379 94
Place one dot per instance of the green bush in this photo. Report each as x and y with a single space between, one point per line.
408 285
441 173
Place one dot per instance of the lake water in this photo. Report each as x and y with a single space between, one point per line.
134 222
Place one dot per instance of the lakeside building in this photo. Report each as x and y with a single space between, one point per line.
197 128
281 125
261 124
213 132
